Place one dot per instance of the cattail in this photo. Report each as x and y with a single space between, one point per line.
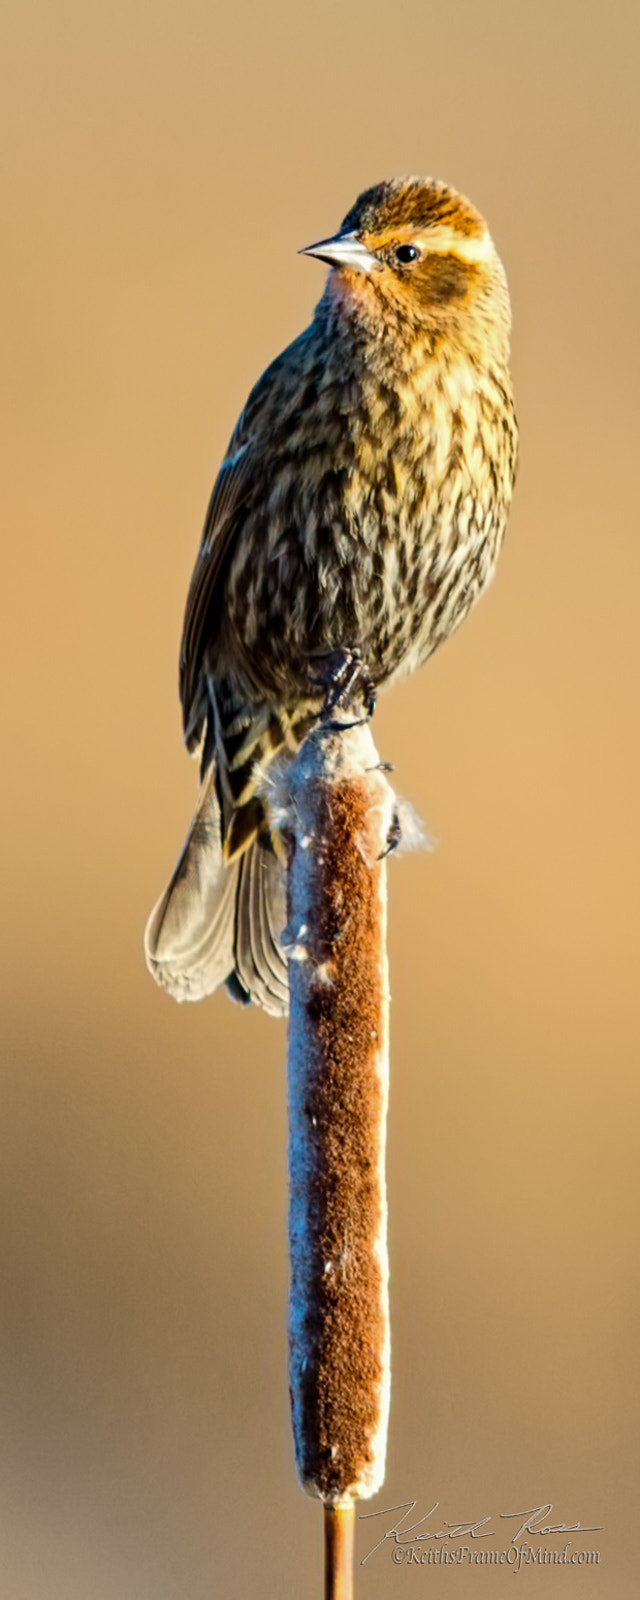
340 819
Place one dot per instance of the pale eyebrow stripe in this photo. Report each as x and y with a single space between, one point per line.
447 242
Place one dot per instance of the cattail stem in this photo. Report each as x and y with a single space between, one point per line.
340 817
338 1550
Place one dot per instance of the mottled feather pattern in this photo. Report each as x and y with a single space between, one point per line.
361 505
360 521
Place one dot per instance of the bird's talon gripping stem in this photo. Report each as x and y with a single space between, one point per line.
394 836
346 679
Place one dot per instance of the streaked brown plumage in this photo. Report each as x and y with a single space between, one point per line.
361 505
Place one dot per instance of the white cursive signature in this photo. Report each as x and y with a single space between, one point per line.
469 1529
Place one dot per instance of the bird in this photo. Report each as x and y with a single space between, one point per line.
357 516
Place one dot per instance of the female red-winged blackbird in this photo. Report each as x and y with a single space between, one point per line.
361 507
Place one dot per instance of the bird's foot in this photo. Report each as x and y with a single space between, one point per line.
346 680
394 836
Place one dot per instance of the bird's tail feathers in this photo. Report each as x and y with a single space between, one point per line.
220 921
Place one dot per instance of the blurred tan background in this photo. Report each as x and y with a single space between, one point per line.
162 165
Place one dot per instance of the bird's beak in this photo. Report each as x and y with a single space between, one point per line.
344 250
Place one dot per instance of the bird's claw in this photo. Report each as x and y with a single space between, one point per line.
394 835
346 679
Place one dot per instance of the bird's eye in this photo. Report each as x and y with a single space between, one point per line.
406 253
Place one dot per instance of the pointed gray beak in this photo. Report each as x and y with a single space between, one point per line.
344 250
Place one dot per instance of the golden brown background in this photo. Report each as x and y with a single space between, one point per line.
162 165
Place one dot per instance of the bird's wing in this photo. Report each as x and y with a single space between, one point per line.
236 487
231 493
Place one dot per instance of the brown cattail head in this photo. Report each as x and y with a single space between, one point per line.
340 815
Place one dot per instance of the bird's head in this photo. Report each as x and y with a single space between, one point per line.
416 257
